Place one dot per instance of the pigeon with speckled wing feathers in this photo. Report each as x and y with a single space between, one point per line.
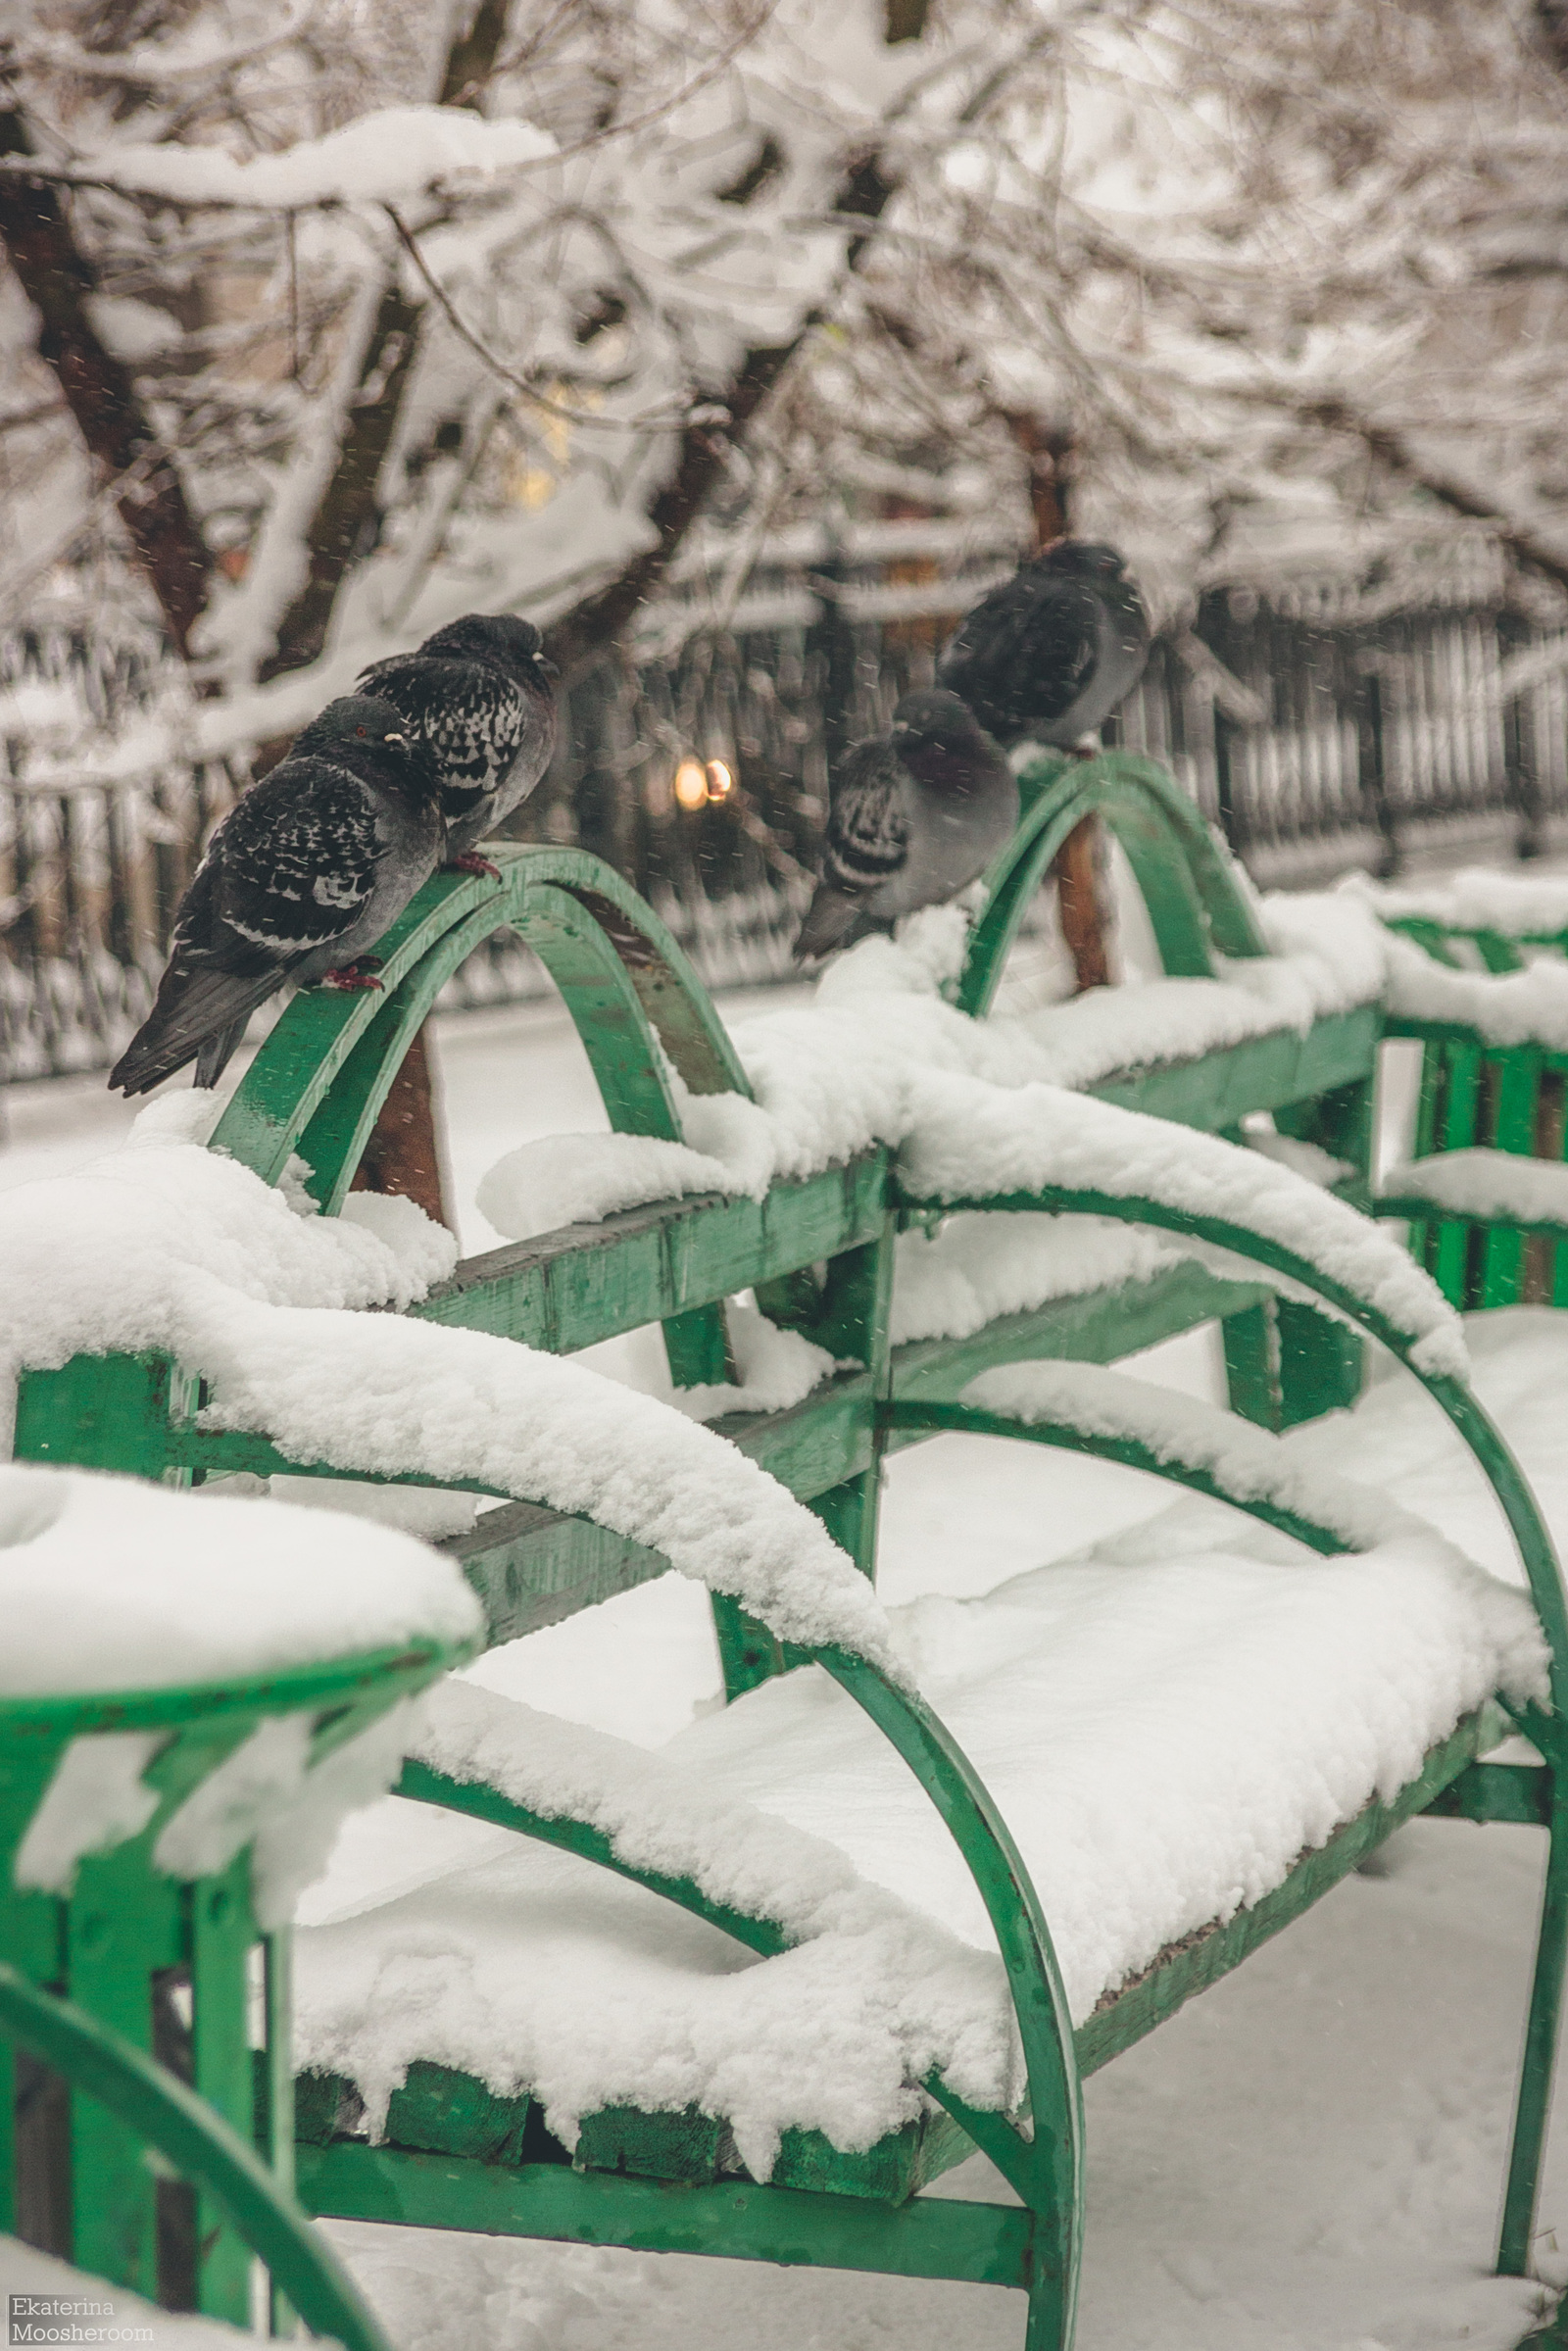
483 696
1047 656
304 873
913 817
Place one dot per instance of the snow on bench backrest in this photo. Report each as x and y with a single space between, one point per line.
164 1244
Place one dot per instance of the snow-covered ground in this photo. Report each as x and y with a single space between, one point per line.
1307 2159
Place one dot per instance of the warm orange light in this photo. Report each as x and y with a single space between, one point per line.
720 779
691 783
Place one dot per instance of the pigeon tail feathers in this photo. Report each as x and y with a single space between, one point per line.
201 1017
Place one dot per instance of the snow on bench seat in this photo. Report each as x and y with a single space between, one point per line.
1165 1736
1479 1182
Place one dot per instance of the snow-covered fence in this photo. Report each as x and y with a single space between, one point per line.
1343 731
1322 724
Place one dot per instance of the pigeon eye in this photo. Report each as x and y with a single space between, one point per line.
358 730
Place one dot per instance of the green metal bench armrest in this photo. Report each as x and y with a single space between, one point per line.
1185 878
319 1079
1043 2167
973 1420
196 2141
1482 1437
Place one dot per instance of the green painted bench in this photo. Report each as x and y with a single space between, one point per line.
142 2134
819 1252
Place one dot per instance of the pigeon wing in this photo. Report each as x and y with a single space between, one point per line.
868 843
287 871
300 853
475 719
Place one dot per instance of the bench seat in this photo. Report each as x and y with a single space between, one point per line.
1165 1731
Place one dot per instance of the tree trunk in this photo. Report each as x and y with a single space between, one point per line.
404 1154
347 515
1085 926
101 393
703 454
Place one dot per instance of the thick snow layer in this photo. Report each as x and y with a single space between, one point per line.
578 1179
1486 1183
778 1369
382 157
1506 1008
1308 2158
165 1244
976 1267
1479 898
96 1799
109 1582
832 1076
966 1138
1248 1463
975 1106
1163 1738
892 1992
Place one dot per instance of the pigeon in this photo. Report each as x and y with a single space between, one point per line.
1047 656
305 872
483 696
913 816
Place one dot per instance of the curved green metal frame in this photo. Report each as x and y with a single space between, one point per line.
286 1689
1480 1436
318 1084
1128 1452
1045 2169
1187 879
319 1081
196 2141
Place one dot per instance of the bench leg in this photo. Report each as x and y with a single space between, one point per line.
1539 2052
1052 2316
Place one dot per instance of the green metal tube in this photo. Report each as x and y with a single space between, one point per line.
1517 2236
193 2137
1469 1416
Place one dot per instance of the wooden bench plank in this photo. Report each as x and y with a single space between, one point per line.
1261 1073
1214 1951
569 1289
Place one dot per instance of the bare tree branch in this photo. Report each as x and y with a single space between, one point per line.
101 392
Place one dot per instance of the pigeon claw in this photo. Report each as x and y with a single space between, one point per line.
353 976
471 862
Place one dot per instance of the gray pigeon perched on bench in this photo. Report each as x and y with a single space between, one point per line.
483 695
913 817
305 872
1047 656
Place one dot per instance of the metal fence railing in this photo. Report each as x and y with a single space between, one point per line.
1314 724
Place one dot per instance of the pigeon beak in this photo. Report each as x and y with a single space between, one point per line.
403 739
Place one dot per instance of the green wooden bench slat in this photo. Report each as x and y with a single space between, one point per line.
1497 1791
1260 1073
1135 2010
568 1290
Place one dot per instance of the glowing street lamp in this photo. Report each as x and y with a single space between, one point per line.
691 783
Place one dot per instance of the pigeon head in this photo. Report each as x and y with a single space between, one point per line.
934 720
365 723
1086 559
503 639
